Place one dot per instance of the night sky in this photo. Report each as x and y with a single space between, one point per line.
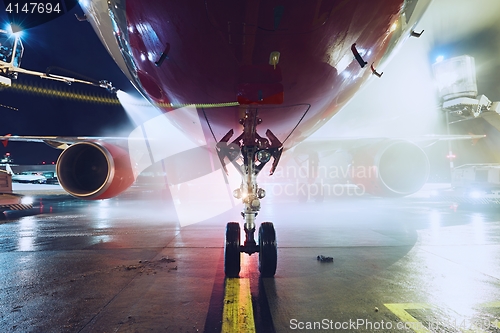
71 45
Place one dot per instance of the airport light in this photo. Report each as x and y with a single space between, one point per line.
451 156
394 26
15 30
27 201
263 155
475 194
237 193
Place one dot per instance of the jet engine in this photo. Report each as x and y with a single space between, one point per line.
390 168
90 170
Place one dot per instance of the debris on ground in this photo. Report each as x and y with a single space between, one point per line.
17 308
146 266
322 258
167 259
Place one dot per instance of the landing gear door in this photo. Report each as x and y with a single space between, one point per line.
221 120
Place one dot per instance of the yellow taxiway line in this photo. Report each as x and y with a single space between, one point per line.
237 315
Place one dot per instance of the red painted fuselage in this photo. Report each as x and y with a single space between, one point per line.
293 61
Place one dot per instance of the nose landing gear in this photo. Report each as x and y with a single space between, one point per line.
255 151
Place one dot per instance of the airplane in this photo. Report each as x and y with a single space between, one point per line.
260 76
26 177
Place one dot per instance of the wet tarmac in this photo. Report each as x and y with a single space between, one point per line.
125 265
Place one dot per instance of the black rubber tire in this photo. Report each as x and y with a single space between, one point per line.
268 250
232 257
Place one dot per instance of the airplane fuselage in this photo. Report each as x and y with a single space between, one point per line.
293 61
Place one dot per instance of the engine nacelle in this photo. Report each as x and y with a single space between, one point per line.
90 170
390 168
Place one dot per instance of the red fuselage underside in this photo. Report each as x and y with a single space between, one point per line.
218 51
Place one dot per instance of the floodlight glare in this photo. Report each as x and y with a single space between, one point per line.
15 30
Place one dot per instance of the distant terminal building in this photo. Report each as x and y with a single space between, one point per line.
7 159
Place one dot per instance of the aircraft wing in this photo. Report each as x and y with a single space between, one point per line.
58 142
188 168
444 137
430 138
335 143
326 144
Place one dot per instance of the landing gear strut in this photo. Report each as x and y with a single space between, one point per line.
255 152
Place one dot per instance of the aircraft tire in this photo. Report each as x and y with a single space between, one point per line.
232 257
268 250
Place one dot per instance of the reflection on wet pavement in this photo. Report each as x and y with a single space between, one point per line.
126 265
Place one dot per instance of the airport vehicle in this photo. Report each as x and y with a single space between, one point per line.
11 201
51 177
477 183
472 185
5 182
457 85
26 177
11 53
14 202
260 76
476 176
